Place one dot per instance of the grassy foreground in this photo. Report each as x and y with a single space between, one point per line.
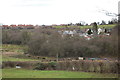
23 73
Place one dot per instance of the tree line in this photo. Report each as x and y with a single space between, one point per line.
48 42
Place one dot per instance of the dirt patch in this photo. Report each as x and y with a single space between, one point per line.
10 53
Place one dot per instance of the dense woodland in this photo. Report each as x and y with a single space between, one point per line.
48 42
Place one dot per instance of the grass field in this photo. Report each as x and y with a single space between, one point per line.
16 51
23 73
14 48
82 27
7 58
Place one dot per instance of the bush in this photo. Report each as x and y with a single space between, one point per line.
8 64
52 65
40 66
89 66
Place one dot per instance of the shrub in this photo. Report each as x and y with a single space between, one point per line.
40 66
8 64
52 65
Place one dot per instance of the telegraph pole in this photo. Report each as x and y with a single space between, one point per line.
57 57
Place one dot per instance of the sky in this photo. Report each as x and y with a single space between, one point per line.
38 12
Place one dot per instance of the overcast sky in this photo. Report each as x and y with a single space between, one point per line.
55 11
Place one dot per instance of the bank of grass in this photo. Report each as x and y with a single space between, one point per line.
83 27
17 49
23 73
7 58
14 48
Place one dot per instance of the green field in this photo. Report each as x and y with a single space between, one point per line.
7 58
23 73
82 27
13 48
18 49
